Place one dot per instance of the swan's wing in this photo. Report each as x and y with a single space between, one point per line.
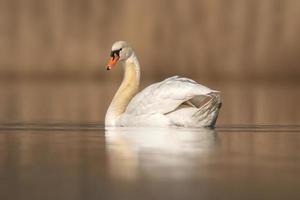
164 97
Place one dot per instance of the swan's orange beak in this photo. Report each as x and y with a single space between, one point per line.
112 62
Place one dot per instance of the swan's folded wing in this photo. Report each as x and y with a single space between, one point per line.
164 97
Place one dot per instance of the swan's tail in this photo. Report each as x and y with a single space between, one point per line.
207 113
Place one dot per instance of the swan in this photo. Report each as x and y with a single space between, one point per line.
175 101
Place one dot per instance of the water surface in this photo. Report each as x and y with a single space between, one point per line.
53 146
85 161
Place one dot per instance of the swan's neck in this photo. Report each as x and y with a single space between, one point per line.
125 92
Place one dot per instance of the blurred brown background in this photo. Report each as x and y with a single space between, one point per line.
53 53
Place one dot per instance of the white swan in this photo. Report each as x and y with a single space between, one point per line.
176 101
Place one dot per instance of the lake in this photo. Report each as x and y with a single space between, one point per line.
53 146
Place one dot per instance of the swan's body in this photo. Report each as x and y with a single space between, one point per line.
176 101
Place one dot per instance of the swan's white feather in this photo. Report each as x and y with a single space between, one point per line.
160 104
165 96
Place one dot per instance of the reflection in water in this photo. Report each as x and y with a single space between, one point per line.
157 151
84 161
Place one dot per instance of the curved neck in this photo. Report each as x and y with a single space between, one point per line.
126 91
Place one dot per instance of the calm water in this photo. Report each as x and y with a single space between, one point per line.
53 146
85 161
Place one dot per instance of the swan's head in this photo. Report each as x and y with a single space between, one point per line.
120 51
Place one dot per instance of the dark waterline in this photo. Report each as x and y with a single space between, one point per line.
94 126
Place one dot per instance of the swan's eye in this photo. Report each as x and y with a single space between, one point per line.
115 53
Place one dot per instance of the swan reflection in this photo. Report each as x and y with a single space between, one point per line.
157 152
